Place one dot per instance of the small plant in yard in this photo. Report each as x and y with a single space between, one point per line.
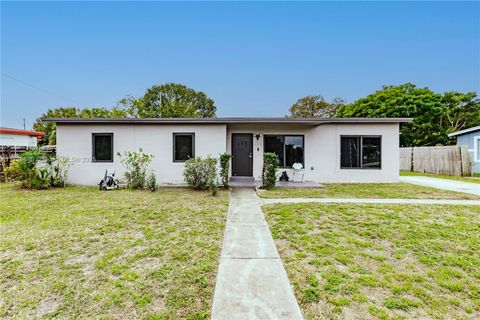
152 182
213 186
200 172
224 166
270 166
135 164
12 172
58 170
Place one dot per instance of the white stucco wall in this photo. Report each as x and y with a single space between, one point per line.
322 150
75 142
17 140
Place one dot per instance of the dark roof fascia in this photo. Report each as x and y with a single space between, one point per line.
310 121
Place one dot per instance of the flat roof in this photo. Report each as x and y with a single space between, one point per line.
311 121
453 134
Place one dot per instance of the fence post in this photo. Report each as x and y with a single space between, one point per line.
411 160
461 161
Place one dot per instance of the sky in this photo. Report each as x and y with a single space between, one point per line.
251 58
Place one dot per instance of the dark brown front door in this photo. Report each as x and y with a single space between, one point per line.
242 154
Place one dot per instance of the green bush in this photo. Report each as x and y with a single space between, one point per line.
135 164
152 182
13 171
200 173
270 166
224 168
58 170
213 187
38 170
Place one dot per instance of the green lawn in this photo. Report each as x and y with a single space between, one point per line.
366 190
381 261
464 179
83 253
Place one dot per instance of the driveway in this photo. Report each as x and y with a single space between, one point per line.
445 184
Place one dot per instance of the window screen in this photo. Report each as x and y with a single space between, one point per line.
360 152
183 146
102 149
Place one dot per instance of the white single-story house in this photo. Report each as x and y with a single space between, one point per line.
471 138
331 150
19 138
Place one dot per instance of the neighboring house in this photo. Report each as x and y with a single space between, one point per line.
19 138
471 138
331 150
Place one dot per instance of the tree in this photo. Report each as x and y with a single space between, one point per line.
315 107
171 100
131 105
115 112
403 101
71 112
48 127
462 110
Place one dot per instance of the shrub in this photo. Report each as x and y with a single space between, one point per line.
224 167
58 170
13 171
135 164
213 187
38 170
270 166
152 182
199 172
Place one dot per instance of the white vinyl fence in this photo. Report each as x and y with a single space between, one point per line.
447 160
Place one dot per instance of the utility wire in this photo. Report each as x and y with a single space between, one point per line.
37 88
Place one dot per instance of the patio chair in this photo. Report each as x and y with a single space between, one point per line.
297 171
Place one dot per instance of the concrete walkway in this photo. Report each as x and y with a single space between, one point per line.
445 184
251 280
379 201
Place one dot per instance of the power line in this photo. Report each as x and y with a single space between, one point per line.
38 88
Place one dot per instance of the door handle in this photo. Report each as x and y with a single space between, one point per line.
250 155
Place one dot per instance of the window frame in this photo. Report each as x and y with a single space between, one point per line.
104 134
361 152
282 165
174 135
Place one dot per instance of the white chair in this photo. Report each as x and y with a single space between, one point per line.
298 171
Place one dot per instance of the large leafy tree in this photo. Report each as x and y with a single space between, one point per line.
72 112
406 100
462 110
171 100
315 107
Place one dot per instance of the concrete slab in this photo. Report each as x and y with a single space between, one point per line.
379 201
254 289
251 280
249 182
444 184
249 242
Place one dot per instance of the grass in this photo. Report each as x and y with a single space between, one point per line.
380 261
366 190
474 179
82 253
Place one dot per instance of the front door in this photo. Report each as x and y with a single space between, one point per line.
242 154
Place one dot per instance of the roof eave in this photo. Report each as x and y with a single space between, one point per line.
312 121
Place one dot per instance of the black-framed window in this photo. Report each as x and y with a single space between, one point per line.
361 152
102 147
289 148
183 146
